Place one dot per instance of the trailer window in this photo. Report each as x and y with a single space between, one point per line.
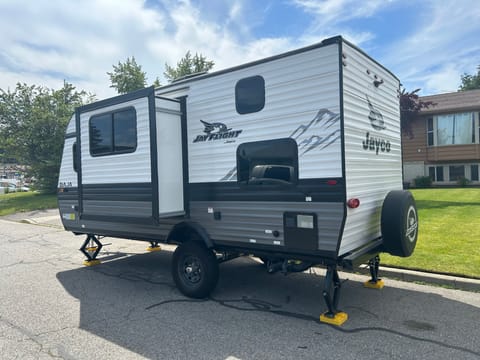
250 95
270 162
113 133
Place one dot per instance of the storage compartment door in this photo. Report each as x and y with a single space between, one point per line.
169 157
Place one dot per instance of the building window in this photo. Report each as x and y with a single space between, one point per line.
269 162
250 95
455 129
113 133
474 172
435 173
430 131
456 172
439 170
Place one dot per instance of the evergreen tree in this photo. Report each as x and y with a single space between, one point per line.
470 82
188 65
127 76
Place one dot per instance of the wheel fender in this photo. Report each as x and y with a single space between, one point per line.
189 230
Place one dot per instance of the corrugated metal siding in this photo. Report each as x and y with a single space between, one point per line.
120 168
67 176
71 125
370 175
296 89
118 208
240 224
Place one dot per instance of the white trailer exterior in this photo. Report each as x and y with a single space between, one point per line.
297 156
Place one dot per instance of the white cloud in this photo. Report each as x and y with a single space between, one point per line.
331 17
46 41
328 12
440 49
60 39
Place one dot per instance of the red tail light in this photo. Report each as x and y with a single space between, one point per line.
353 203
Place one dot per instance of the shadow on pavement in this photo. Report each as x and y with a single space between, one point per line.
132 301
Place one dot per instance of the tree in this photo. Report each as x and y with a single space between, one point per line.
33 120
410 106
127 76
470 82
188 65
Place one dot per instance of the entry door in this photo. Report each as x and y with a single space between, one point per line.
169 157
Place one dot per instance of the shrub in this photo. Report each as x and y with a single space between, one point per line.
463 182
423 181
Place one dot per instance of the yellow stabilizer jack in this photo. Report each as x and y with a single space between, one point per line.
154 248
374 285
336 320
91 262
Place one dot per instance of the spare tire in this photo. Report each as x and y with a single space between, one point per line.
399 223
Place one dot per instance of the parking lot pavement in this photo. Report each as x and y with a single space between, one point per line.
129 308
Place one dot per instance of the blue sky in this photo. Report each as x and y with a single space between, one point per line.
427 44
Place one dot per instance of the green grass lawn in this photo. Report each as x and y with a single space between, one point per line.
449 233
26 201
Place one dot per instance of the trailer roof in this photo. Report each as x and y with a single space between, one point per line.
333 40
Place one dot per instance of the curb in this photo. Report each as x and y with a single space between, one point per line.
29 221
455 282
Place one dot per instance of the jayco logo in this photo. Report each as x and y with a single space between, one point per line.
372 143
216 131
376 117
376 144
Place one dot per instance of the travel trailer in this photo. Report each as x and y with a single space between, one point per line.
295 159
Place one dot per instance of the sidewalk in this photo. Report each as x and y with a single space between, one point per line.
51 217
48 217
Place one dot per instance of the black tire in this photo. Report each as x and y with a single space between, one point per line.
194 269
399 223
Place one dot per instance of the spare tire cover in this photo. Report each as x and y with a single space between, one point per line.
399 223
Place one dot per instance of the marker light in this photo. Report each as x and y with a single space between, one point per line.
353 203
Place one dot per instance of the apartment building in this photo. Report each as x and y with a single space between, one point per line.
446 140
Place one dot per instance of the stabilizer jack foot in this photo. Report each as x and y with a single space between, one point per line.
331 295
337 319
374 282
154 246
91 262
379 284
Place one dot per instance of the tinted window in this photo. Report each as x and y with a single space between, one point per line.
101 135
431 173
474 172
439 173
250 95
269 162
125 131
430 131
113 133
456 172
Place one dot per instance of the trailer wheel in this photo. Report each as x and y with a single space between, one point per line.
399 223
194 269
